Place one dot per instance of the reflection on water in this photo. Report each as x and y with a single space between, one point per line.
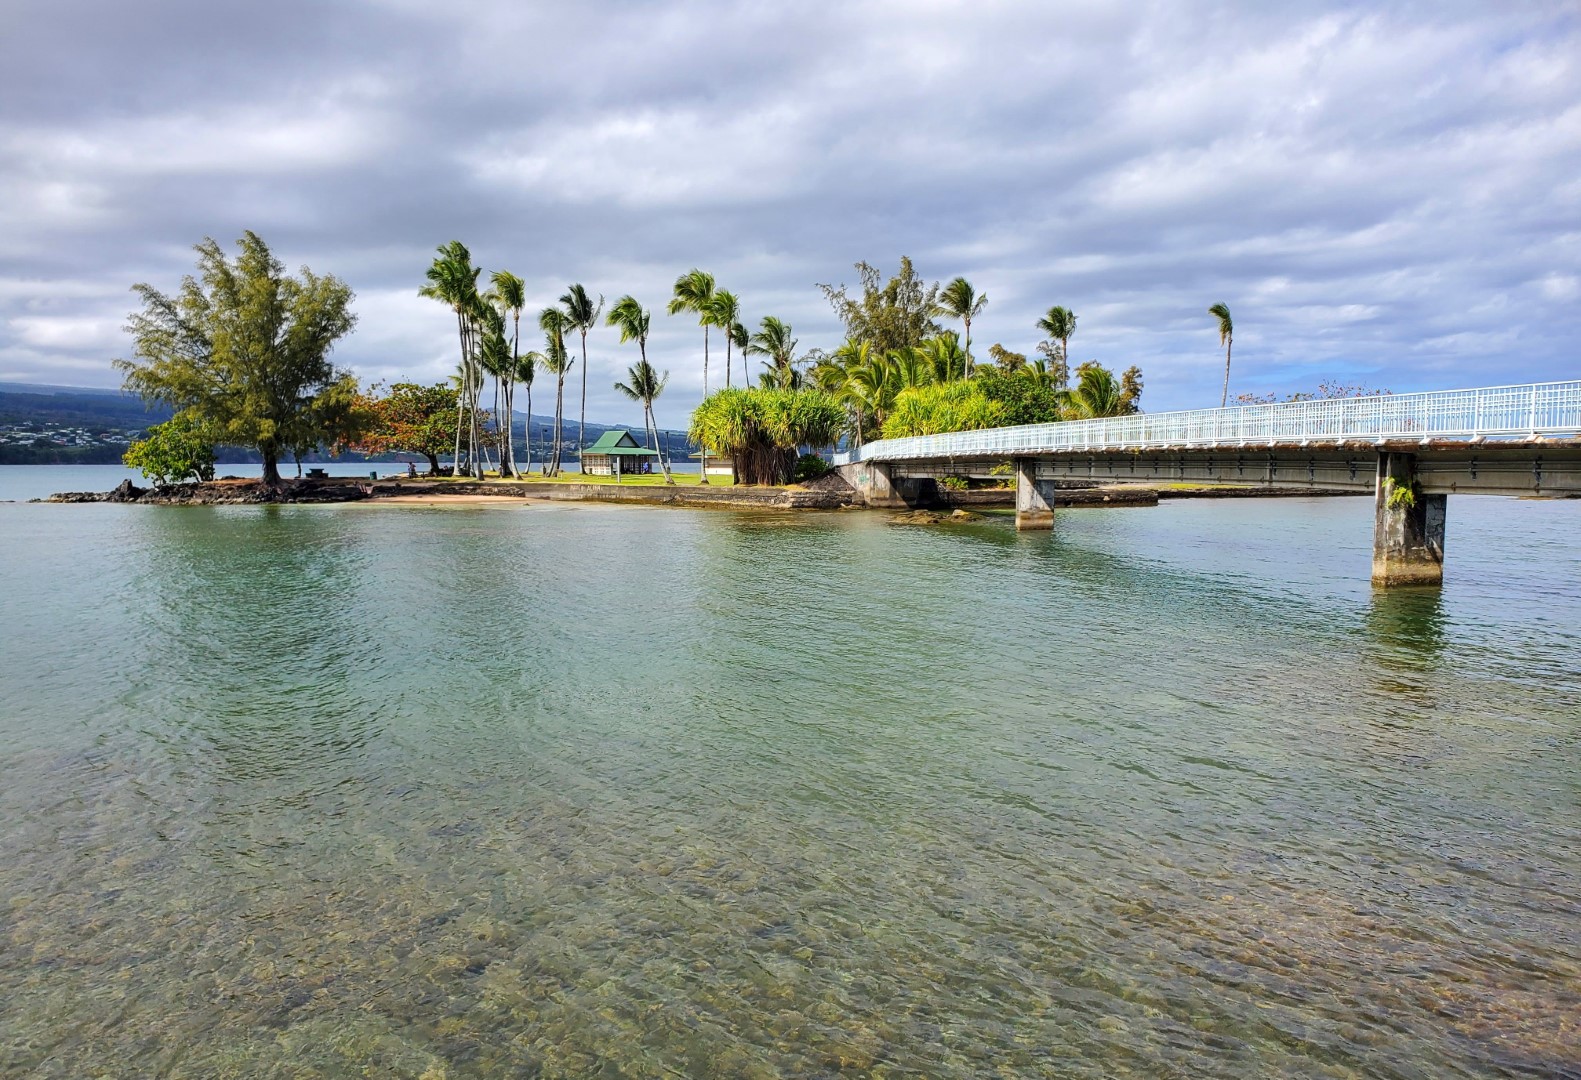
1409 628
623 792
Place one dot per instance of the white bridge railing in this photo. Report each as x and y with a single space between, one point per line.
1497 412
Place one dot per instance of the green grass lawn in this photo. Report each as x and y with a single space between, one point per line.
681 479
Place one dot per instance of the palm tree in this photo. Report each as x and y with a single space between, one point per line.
694 292
453 281
944 355
509 295
495 359
775 342
581 314
739 336
553 322
724 311
1060 325
1221 311
1096 394
645 384
871 382
959 300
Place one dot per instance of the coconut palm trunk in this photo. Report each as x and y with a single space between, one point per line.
1224 398
461 398
581 416
559 398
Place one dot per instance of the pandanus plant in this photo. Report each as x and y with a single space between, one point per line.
762 429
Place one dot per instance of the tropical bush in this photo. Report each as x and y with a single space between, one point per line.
940 407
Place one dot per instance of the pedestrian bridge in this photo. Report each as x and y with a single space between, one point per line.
1411 450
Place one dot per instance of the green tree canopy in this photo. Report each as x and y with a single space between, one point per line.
243 348
893 314
1023 397
940 407
179 449
412 419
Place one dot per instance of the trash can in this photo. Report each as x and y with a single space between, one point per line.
373 474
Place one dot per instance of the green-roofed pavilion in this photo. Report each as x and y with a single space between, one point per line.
616 453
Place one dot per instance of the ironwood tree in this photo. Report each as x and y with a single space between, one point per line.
243 348
893 314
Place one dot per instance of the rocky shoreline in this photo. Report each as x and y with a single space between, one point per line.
827 493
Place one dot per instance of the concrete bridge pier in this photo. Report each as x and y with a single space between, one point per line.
1408 528
1034 497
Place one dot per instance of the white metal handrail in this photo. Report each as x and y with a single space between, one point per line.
1496 412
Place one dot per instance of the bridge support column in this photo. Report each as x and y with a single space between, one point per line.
1408 528
1034 497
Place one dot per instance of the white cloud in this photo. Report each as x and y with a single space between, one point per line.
1391 189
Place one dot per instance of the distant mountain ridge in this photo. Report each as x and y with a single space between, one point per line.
49 410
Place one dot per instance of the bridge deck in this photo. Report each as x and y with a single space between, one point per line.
1490 414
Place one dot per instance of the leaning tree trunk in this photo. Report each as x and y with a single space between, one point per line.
1225 400
461 398
507 452
433 463
559 400
653 425
581 419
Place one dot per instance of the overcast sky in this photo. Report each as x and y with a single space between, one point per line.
1387 193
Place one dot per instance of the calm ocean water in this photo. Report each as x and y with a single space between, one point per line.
592 791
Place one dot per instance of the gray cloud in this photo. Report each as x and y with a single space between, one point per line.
1388 193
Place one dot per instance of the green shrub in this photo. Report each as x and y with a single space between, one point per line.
179 448
954 483
810 467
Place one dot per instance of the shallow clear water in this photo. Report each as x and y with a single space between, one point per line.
594 791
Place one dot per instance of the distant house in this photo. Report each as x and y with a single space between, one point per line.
719 465
617 454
